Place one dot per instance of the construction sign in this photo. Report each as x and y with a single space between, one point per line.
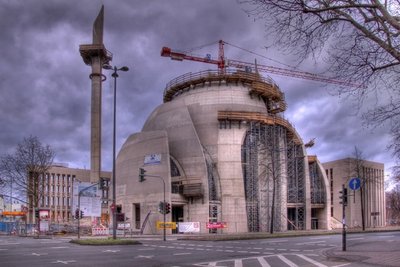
14 213
168 225
216 225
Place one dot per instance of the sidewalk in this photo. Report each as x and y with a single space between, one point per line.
378 253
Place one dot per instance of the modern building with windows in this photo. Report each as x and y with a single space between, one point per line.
56 192
228 157
368 200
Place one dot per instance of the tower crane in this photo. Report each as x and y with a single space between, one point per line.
222 64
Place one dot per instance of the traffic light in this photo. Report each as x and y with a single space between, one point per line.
37 213
119 208
167 208
343 196
77 213
142 174
161 207
103 183
81 214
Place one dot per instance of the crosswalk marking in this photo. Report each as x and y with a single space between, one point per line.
238 263
287 261
263 262
311 261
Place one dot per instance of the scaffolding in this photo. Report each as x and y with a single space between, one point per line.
318 194
263 159
296 186
273 172
214 195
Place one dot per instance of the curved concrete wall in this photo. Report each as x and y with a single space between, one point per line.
188 129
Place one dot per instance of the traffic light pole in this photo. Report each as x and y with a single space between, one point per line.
79 206
141 179
344 218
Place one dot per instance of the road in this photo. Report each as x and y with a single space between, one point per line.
290 251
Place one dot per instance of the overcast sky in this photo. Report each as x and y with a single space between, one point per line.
45 86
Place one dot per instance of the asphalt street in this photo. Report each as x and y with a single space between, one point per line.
321 251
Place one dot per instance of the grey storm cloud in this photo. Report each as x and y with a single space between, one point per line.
45 86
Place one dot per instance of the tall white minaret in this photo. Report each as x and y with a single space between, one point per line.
96 55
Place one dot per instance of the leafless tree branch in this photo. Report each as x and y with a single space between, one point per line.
359 40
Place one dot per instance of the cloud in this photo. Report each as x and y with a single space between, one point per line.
45 85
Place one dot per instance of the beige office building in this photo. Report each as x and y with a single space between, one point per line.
56 191
372 189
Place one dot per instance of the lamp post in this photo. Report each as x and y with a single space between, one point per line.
115 76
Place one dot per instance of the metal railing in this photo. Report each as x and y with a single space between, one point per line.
217 75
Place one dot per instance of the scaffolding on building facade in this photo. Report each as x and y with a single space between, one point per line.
273 172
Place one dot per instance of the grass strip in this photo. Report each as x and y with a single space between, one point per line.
104 242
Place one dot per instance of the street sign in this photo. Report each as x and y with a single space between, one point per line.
355 183
167 225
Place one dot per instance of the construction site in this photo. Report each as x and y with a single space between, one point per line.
230 159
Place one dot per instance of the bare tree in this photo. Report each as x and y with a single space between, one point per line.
25 169
393 205
359 40
359 172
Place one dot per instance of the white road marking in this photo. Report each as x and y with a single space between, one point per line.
312 242
263 262
38 254
144 256
276 241
110 250
179 254
287 261
238 263
58 247
316 263
64 262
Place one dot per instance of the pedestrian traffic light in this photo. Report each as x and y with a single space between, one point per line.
142 174
167 208
37 213
161 207
77 213
343 196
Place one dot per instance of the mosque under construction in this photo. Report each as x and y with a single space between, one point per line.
228 158
219 154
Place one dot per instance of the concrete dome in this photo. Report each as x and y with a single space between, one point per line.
210 138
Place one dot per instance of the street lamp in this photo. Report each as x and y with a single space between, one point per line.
115 76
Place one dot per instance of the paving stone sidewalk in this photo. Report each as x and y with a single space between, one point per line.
379 253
